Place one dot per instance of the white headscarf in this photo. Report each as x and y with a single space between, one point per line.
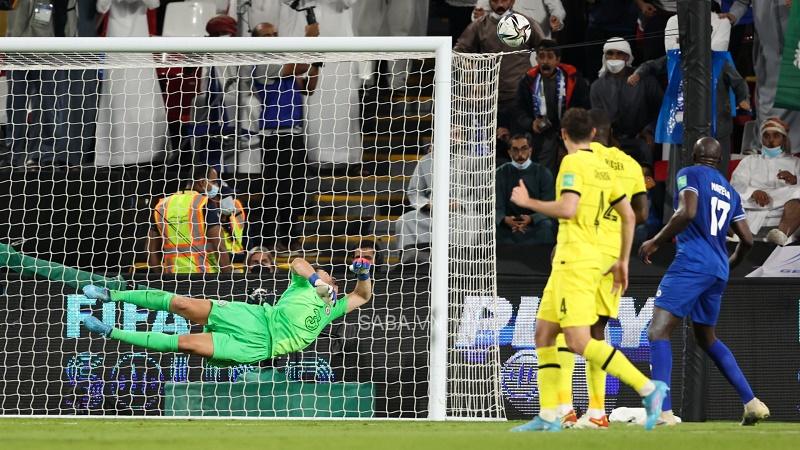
619 44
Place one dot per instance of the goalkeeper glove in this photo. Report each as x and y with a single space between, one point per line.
324 290
361 268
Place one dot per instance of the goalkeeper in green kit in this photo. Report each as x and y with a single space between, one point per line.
241 333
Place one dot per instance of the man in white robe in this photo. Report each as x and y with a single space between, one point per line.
132 118
332 126
413 229
767 183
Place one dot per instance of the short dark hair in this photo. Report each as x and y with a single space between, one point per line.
526 136
600 119
549 45
193 173
577 123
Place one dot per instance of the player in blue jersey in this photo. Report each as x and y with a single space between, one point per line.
707 206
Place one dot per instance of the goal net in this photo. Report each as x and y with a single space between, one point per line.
319 154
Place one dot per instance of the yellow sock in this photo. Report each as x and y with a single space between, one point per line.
615 363
547 378
566 360
596 384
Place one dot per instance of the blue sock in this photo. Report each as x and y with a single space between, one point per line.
661 366
726 363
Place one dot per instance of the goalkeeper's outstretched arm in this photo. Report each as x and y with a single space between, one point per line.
363 290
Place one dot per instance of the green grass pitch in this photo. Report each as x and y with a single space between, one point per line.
106 434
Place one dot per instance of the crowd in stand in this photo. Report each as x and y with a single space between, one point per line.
623 67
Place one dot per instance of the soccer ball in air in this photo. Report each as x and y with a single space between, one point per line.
514 29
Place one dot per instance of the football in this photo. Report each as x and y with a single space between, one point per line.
514 29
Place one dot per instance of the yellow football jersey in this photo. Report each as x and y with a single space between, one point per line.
586 174
628 174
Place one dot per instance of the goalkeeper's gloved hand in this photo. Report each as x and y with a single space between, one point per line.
324 290
361 267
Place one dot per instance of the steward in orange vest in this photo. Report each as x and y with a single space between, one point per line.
186 236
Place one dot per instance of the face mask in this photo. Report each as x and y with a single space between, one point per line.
615 65
227 206
213 191
522 166
771 152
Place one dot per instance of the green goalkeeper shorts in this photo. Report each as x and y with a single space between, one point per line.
240 333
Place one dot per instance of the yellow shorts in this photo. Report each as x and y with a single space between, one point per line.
607 303
569 297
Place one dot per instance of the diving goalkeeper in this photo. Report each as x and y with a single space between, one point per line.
241 333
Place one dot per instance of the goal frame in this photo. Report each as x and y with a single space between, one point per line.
439 45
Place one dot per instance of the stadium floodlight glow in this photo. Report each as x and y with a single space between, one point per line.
450 104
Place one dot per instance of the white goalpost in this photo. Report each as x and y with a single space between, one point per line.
100 129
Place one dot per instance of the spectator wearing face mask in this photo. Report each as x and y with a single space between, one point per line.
260 261
767 183
633 109
186 235
516 225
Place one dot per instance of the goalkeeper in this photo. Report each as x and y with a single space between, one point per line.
241 333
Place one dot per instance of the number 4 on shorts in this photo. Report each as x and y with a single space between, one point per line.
563 306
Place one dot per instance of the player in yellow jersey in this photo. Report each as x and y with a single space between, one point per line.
628 173
584 191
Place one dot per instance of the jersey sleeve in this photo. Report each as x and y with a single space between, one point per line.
340 309
297 280
634 172
738 210
570 176
618 191
687 180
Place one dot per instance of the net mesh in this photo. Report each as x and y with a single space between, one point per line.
330 165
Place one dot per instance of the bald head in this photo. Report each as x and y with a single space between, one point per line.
265 29
707 151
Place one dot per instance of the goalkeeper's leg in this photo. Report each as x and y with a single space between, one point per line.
194 310
200 344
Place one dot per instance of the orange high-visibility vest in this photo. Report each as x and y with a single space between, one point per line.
180 221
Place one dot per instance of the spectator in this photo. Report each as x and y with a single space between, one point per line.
655 14
544 94
481 37
233 221
516 225
724 77
260 260
771 20
186 235
214 107
413 229
280 90
332 126
130 92
655 202
459 16
549 14
62 102
633 109
392 18
502 145
606 19
767 183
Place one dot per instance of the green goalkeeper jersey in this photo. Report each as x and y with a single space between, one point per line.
299 316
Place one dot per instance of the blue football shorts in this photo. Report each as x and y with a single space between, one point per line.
696 295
